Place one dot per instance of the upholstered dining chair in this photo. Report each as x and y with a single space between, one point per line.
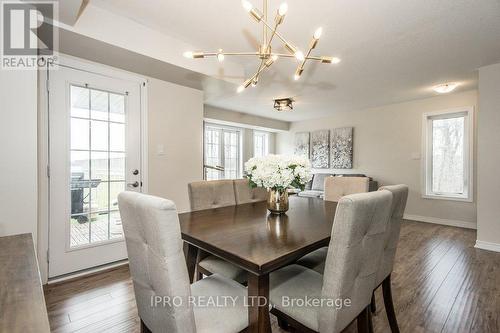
316 260
159 271
399 198
351 267
244 194
208 194
337 187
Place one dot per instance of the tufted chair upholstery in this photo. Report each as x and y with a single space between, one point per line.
209 194
157 263
158 268
350 269
337 187
400 196
244 194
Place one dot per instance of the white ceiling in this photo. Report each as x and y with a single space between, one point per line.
391 50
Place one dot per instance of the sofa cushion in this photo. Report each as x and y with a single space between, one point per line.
310 193
318 183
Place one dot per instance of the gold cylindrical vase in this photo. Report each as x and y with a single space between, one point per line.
277 201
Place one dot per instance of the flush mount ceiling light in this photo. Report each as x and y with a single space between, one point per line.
445 88
264 53
283 104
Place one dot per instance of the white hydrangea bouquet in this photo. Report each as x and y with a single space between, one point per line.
277 173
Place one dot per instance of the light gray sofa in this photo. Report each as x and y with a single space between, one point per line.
316 187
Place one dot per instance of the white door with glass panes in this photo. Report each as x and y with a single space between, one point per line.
94 154
222 153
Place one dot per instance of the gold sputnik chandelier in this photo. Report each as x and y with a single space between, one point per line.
264 53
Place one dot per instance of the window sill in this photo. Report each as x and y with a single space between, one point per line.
445 197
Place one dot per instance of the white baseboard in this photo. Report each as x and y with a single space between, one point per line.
436 220
85 272
487 246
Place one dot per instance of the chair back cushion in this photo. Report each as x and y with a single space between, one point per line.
208 194
353 256
156 260
337 187
245 194
399 197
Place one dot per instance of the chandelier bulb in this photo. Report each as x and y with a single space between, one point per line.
188 54
240 89
220 56
283 9
299 55
247 5
317 33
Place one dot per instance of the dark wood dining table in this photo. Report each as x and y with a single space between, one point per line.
250 237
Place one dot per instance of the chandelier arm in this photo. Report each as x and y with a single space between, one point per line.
213 54
276 33
287 55
256 76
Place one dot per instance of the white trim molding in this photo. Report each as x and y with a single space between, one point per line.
495 247
436 220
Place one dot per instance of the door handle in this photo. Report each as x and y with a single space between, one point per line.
134 184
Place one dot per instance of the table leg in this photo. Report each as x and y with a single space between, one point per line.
258 304
191 254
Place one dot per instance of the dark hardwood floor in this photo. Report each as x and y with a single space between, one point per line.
441 283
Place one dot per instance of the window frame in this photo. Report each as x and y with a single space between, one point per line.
266 140
225 129
427 150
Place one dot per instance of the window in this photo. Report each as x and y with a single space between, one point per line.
222 152
448 154
260 144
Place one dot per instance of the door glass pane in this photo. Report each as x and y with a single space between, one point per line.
114 189
448 155
99 135
79 134
117 137
97 165
115 225
79 166
100 198
117 166
99 105
117 108
99 227
79 102
79 230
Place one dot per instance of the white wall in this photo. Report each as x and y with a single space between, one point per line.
18 152
252 121
175 119
385 142
488 164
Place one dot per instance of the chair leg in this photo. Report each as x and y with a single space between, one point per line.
370 320
362 320
373 305
283 324
389 306
144 328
